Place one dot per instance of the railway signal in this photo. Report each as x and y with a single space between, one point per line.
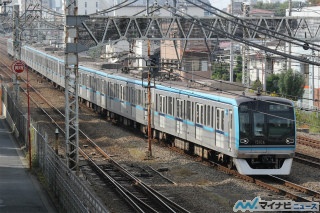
18 66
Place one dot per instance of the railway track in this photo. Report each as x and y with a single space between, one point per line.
286 188
307 160
278 185
138 196
308 141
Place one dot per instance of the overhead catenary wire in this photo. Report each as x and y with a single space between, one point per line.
251 71
267 32
288 55
243 41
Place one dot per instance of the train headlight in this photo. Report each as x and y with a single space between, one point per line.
289 141
244 141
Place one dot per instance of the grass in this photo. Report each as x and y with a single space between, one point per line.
308 120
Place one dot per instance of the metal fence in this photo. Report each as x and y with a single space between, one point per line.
67 190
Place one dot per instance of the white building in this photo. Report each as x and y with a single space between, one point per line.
311 72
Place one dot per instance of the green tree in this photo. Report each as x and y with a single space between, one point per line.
220 71
291 84
237 70
272 83
257 84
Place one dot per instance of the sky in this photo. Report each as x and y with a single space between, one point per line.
220 4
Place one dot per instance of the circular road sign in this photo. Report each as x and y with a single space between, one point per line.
18 66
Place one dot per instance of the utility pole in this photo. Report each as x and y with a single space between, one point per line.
147 8
289 46
245 49
231 46
72 48
16 45
311 75
149 103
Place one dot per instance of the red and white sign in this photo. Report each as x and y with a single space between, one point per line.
18 66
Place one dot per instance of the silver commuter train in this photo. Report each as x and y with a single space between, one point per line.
255 134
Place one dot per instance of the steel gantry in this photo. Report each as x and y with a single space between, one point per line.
98 30
297 31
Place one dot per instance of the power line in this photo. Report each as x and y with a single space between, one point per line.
267 32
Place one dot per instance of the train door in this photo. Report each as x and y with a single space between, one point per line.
230 125
199 120
219 127
180 113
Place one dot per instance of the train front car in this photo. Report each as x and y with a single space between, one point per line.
267 136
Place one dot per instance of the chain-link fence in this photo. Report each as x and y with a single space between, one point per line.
68 191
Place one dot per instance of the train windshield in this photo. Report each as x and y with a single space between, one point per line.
280 120
261 119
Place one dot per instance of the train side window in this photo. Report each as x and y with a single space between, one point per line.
130 91
199 113
87 80
179 108
98 84
108 88
231 119
204 119
192 111
138 97
212 117
170 105
91 82
122 91
111 89
101 85
188 109
81 78
208 116
105 88
116 90
220 119
146 100
162 104
128 94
